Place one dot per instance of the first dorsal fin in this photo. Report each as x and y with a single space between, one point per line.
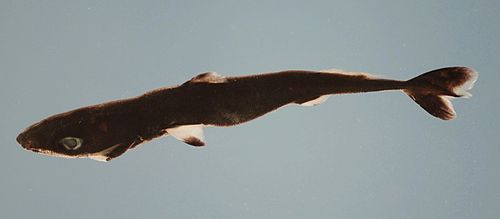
208 77
190 134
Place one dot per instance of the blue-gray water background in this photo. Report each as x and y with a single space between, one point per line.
374 155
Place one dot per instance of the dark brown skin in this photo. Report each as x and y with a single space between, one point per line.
117 126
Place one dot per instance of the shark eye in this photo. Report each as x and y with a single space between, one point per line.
71 143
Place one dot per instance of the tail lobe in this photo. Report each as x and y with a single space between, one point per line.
433 90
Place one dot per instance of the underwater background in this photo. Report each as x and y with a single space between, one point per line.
373 155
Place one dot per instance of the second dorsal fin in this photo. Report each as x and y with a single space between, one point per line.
208 77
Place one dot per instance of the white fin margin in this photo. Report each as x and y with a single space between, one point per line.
447 102
462 89
190 134
316 101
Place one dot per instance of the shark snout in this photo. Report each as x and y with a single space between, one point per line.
23 140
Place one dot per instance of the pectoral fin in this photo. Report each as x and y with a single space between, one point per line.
110 153
190 134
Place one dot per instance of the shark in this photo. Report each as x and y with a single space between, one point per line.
105 131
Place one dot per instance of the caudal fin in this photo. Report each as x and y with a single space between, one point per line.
433 90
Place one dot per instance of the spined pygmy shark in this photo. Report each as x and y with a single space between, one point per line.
105 131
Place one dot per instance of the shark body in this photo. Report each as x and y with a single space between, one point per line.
106 131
